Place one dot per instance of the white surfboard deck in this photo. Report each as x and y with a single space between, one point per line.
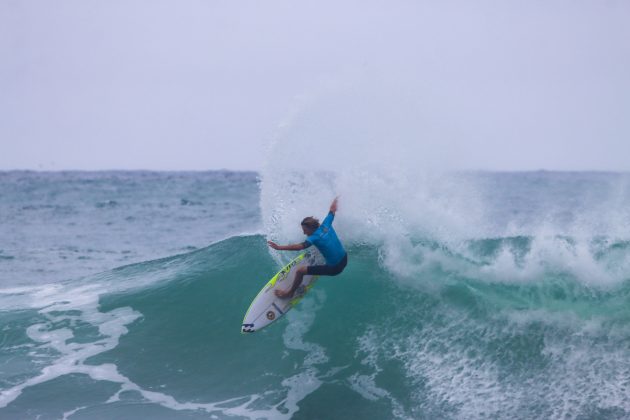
266 307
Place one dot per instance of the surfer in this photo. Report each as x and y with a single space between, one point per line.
326 241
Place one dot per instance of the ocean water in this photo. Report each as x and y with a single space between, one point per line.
468 295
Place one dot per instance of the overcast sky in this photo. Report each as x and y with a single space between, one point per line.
150 84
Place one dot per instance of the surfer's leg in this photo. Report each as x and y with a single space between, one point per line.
313 270
328 270
299 276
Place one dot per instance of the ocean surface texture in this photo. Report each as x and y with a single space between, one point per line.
467 296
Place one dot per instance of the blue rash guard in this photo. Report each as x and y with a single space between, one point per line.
326 240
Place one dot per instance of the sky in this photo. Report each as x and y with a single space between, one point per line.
197 85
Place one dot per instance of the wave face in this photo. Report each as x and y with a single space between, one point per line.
449 336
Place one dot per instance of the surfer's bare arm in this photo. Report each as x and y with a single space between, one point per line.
292 247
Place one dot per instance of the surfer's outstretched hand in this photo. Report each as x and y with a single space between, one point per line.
273 244
333 206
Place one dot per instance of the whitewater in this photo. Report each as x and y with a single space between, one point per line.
468 295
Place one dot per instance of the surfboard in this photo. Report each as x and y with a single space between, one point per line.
266 308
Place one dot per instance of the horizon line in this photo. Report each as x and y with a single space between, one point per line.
259 171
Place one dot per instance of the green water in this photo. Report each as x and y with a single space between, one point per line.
359 345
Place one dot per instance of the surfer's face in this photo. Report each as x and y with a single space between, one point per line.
307 230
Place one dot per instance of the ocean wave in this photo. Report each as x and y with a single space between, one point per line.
438 340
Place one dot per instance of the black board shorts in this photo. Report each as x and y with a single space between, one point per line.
327 270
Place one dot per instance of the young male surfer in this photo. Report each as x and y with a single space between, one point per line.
325 239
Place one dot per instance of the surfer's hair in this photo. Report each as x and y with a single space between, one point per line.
310 222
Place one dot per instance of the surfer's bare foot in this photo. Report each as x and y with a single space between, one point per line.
282 294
